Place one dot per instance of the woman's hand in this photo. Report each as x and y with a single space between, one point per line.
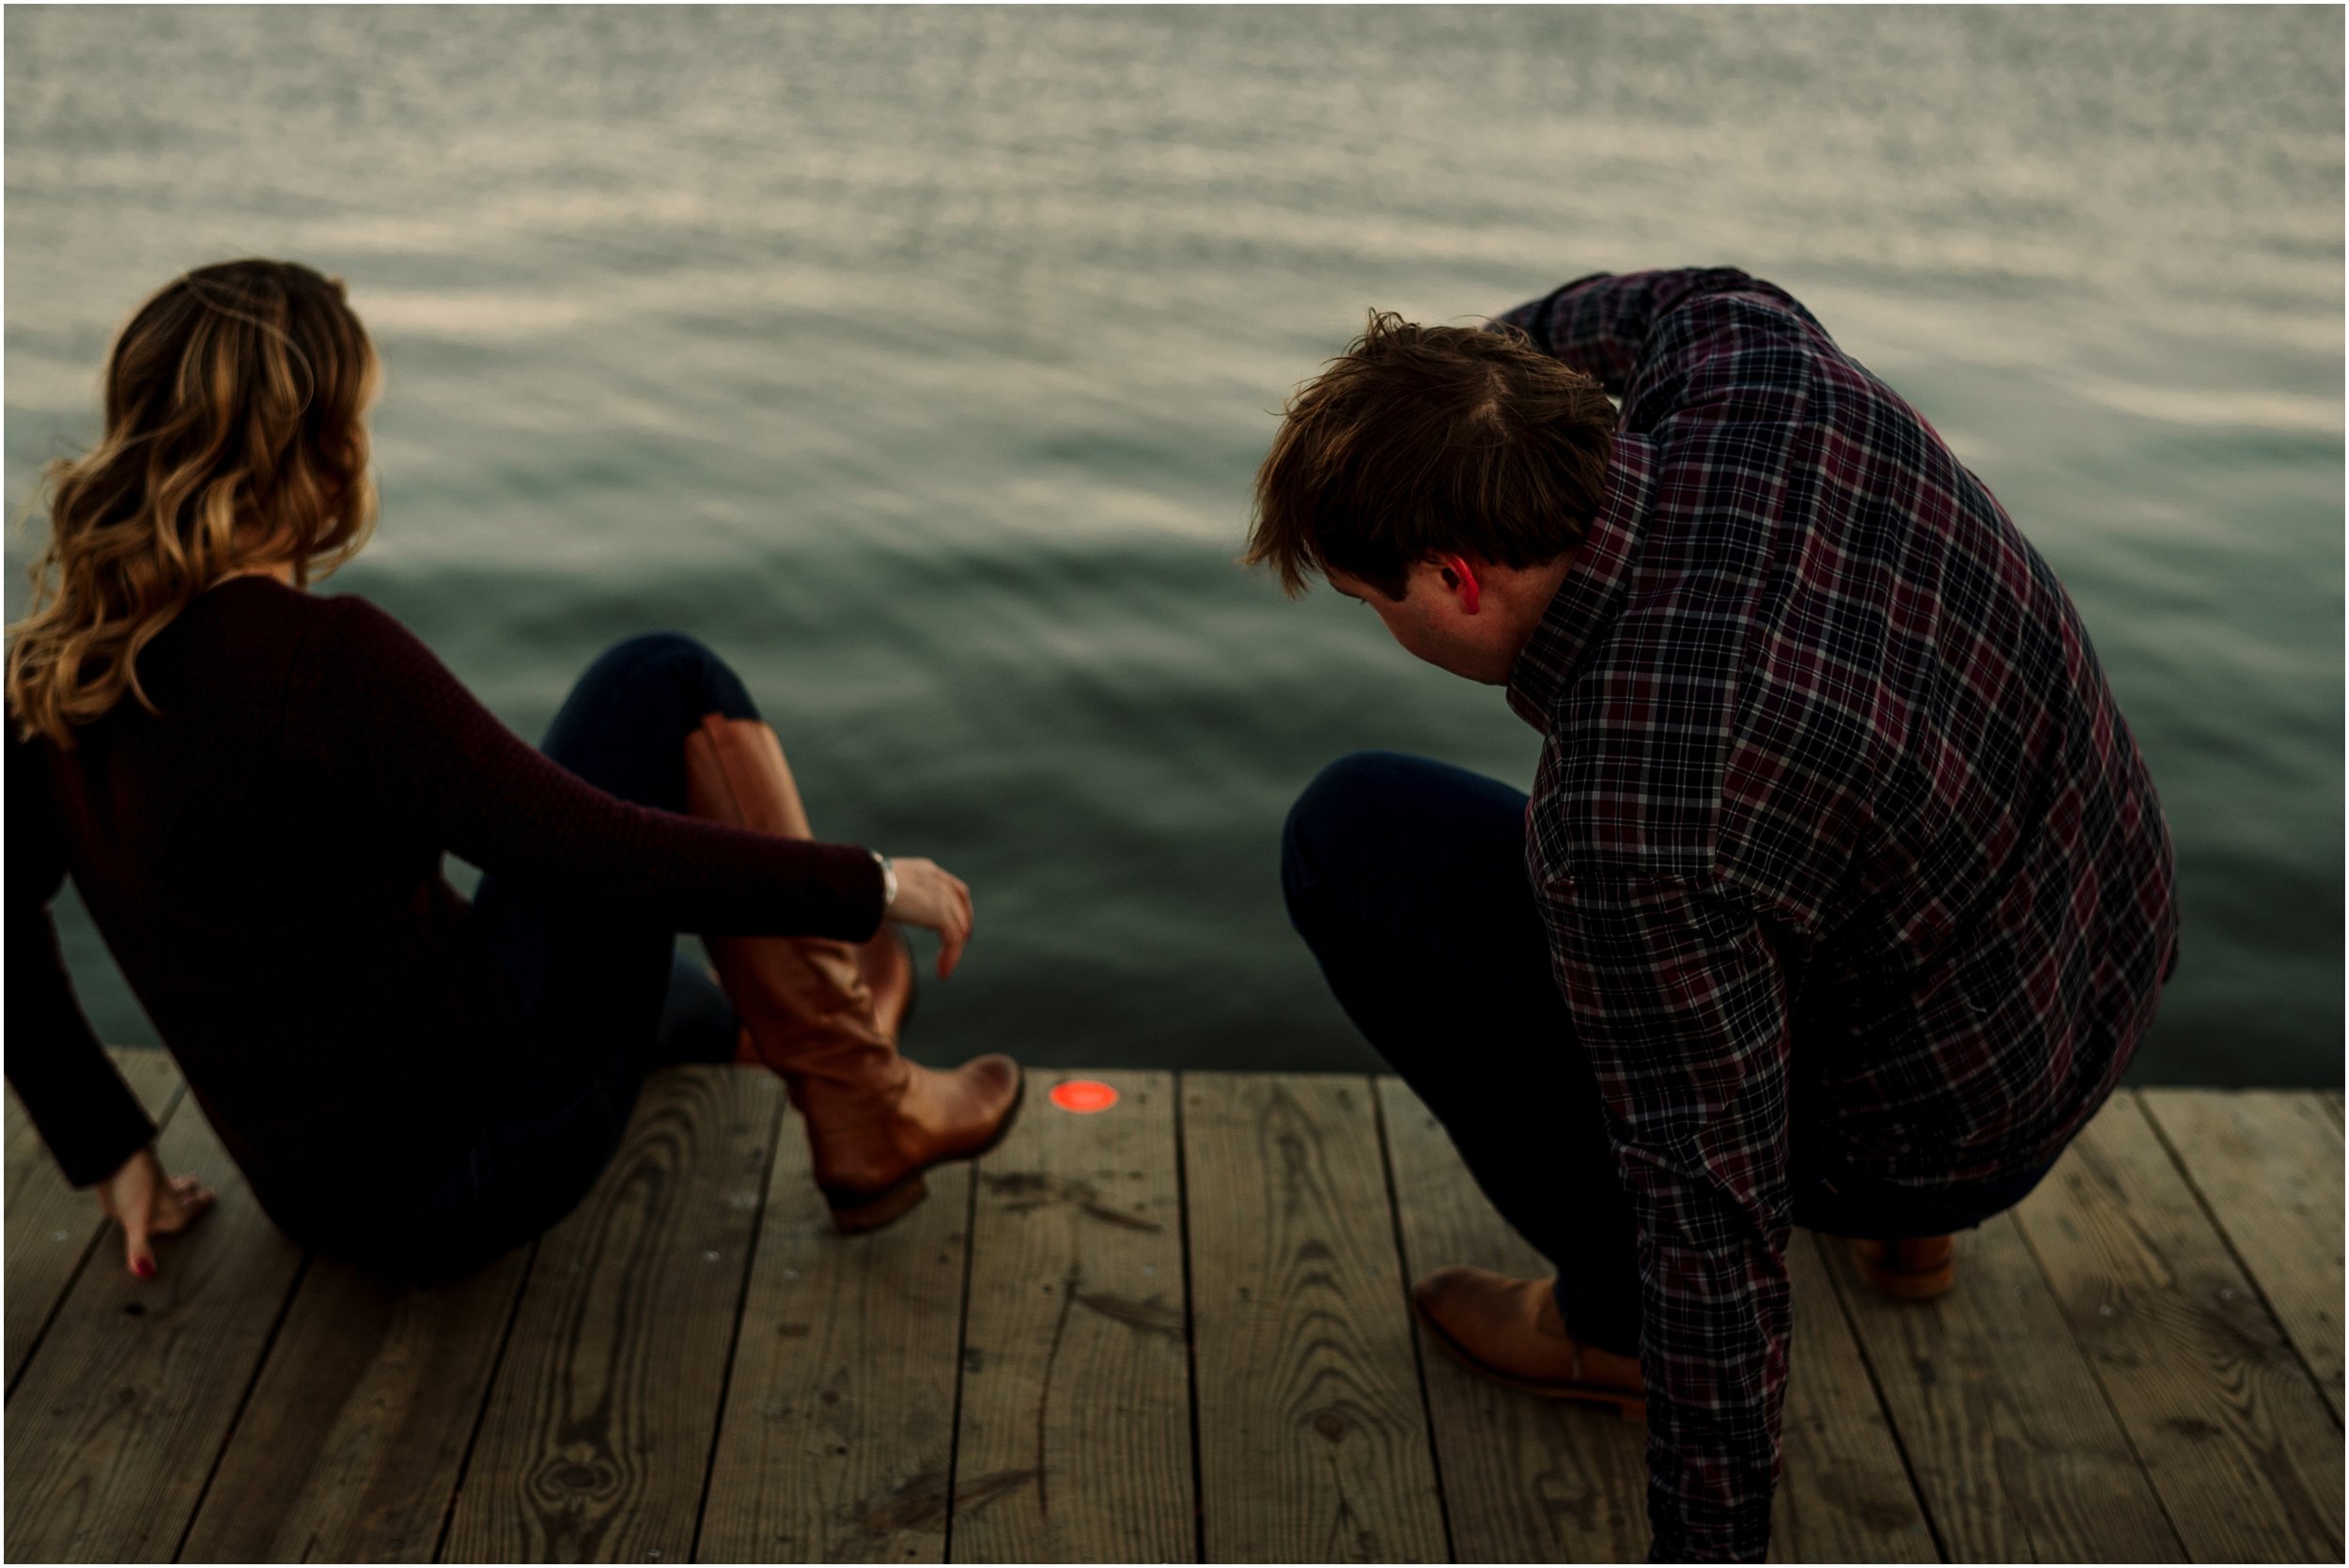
145 1203
935 899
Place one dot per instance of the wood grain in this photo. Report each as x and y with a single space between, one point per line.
2017 1456
1843 1495
2330 1100
2266 1164
597 1435
50 1226
113 1430
1313 1435
350 1447
2238 1444
1526 1480
2108 1325
1074 1443
838 1438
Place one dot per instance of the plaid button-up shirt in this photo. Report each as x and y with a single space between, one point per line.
1850 864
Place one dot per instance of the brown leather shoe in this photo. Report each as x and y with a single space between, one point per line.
1509 1331
875 1120
1917 1269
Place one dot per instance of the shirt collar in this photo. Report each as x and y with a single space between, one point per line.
1593 585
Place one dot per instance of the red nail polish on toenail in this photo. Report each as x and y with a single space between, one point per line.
144 1269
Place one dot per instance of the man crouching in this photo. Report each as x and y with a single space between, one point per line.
1843 897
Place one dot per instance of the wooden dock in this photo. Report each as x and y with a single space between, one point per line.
1175 1331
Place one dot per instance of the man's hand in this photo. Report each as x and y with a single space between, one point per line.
935 899
145 1203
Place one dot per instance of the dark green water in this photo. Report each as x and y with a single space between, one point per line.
919 361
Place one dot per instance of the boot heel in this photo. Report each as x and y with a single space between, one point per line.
855 1212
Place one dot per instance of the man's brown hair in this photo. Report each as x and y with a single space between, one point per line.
1423 442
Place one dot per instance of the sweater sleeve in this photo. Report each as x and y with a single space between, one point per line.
84 1112
381 715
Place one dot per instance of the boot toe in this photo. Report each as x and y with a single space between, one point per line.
1001 1086
992 1088
993 1081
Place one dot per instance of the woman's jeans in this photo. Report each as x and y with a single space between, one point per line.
1406 879
603 1001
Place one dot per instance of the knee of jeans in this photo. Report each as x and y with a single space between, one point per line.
1333 825
707 683
645 649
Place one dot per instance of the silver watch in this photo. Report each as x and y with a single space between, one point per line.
889 882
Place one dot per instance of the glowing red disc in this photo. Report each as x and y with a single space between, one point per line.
1084 1095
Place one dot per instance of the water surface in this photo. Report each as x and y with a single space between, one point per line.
919 361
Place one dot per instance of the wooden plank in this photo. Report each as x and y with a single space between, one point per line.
1843 1494
2330 1100
50 1226
838 1438
597 1435
1313 1434
1074 1442
2017 1456
2266 1164
115 1428
1526 1480
2237 1443
349 1448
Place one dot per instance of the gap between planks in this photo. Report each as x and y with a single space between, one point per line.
2197 1208
2233 1435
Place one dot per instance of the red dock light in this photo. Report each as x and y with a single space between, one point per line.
1084 1095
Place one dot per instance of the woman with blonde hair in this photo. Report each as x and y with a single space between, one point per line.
252 787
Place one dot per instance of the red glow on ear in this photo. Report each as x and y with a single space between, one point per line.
1470 594
1084 1095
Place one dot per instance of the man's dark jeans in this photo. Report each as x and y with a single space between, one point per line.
1406 879
604 1001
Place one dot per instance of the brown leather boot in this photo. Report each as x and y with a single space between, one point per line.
1510 1331
885 962
1917 1269
875 1120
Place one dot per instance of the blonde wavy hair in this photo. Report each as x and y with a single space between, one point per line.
234 438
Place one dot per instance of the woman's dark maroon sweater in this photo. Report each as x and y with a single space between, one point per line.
263 857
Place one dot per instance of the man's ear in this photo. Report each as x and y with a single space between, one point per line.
1460 578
